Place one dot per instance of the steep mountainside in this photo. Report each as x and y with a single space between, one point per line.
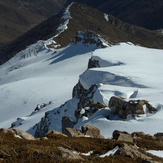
145 13
84 17
18 16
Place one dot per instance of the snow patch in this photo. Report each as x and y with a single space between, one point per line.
106 16
111 152
156 153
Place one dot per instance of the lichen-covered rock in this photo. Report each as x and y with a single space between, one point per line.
123 108
122 136
23 134
91 131
73 133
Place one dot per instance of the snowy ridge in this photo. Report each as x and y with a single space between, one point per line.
126 87
66 17
37 75
101 86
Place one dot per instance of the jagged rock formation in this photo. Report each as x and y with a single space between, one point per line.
123 108
88 110
66 123
90 37
84 96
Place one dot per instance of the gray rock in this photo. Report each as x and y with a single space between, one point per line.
91 131
66 123
23 134
123 108
122 136
131 151
73 133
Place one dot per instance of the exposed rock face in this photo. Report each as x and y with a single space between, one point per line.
66 123
42 127
93 63
91 131
89 110
68 154
73 133
123 108
86 131
90 37
85 96
131 151
17 132
122 136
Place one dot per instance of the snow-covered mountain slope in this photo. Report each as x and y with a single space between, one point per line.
39 75
123 70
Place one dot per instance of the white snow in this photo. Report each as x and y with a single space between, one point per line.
38 75
29 79
131 72
106 16
156 153
87 154
111 152
62 27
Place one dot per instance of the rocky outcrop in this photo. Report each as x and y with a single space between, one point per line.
42 127
131 151
133 107
66 123
85 96
86 131
122 136
93 63
70 132
91 131
68 154
53 132
17 133
89 110
90 37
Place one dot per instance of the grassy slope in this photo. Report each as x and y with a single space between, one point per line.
84 18
145 13
17 18
21 150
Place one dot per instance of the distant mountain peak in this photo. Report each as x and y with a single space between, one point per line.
61 29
